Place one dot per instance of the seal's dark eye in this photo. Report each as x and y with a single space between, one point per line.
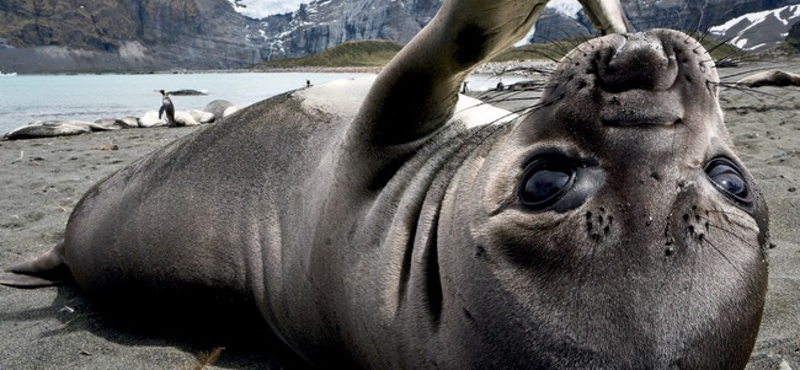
729 179
545 181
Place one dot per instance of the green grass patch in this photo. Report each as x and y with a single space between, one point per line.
549 51
366 53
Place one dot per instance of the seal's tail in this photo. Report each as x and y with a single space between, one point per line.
46 270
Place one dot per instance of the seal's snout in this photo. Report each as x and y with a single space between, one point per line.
640 62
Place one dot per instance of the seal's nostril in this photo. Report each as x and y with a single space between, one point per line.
639 63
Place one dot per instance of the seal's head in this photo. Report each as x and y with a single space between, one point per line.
616 221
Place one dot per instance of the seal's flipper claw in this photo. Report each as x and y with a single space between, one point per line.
48 269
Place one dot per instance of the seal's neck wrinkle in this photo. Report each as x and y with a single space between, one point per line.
640 62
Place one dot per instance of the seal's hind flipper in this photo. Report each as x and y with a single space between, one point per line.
48 269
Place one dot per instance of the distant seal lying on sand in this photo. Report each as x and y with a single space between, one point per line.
773 77
219 107
113 123
38 129
613 227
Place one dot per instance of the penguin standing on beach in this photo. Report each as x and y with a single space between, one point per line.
167 107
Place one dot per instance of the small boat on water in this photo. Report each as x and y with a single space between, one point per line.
2 74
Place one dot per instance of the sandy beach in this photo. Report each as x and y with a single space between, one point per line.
42 179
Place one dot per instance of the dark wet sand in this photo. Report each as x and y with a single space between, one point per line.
41 180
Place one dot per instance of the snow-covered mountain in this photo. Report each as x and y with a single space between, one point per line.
758 31
322 24
130 35
264 8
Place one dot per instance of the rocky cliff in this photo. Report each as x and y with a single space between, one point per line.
322 24
793 37
113 35
693 16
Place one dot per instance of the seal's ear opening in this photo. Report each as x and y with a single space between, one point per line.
557 182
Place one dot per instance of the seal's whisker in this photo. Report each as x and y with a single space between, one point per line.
733 265
522 112
507 96
727 214
533 70
719 44
702 35
510 114
742 225
740 238
558 43
545 55
748 90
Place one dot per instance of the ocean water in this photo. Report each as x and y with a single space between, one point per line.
27 98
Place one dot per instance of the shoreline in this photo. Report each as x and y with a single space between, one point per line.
318 69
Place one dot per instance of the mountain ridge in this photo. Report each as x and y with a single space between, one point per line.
46 36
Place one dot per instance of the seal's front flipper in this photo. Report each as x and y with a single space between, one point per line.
48 269
607 16
416 94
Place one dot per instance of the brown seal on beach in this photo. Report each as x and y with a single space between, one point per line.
40 129
774 77
613 227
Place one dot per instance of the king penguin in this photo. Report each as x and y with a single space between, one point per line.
166 106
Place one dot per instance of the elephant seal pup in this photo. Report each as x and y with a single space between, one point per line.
613 227
218 108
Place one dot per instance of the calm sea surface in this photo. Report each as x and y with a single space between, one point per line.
25 99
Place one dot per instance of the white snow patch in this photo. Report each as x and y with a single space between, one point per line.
526 40
570 8
786 15
757 17
261 8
